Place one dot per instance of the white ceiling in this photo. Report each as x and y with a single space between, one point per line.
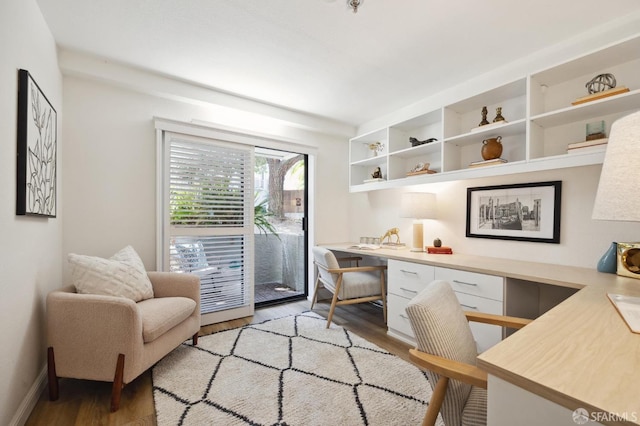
317 56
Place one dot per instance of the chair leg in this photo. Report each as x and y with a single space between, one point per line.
116 390
436 402
51 373
315 293
334 300
194 339
384 296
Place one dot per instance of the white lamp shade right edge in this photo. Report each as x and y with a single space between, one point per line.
617 197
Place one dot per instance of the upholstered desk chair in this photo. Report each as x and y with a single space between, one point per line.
115 339
447 351
349 285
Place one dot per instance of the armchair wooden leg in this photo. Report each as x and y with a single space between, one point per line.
116 390
194 339
384 296
334 300
51 373
315 292
436 401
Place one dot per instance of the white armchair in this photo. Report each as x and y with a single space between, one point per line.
349 285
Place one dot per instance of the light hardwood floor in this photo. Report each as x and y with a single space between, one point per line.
83 403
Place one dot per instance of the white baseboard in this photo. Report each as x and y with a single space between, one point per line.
30 400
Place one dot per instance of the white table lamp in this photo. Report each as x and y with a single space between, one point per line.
616 198
418 205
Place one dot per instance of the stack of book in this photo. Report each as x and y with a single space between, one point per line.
595 145
487 162
439 250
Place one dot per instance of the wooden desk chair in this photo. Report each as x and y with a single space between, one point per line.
349 285
447 351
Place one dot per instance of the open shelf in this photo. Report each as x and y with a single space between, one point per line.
540 123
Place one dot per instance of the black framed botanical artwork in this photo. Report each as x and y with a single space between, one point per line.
37 150
522 212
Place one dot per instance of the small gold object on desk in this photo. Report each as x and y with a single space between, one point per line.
390 232
629 260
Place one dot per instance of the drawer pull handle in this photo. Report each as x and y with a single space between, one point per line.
468 306
464 283
408 272
404 316
410 291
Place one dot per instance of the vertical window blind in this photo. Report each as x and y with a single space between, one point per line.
210 218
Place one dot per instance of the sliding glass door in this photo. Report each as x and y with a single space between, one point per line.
236 216
280 210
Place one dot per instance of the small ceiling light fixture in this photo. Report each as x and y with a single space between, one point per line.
354 4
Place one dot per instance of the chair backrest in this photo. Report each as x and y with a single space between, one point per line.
191 255
326 258
441 329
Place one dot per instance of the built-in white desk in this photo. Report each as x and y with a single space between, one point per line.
578 353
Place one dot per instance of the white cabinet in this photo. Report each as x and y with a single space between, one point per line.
540 122
475 292
479 293
405 280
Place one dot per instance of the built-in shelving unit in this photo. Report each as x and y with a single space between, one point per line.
540 122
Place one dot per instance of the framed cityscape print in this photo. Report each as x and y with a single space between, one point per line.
522 212
37 150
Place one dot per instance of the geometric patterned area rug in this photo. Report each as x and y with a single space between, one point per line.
287 371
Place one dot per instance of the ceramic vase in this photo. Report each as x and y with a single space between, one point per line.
491 148
608 261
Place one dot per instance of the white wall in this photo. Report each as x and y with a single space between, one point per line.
582 240
109 164
30 252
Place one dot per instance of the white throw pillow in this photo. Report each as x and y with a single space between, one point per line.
121 275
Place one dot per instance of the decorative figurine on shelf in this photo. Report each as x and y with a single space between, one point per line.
377 173
595 130
491 148
420 167
387 235
600 83
375 147
416 142
484 117
499 116
437 242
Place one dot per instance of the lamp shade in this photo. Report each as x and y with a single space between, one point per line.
418 205
616 198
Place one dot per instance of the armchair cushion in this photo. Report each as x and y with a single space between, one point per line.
356 284
161 314
475 410
122 275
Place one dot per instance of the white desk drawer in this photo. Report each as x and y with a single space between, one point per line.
408 279
489 286
485 335
479 304
397 316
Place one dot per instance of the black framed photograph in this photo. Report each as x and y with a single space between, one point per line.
522 212
37 150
